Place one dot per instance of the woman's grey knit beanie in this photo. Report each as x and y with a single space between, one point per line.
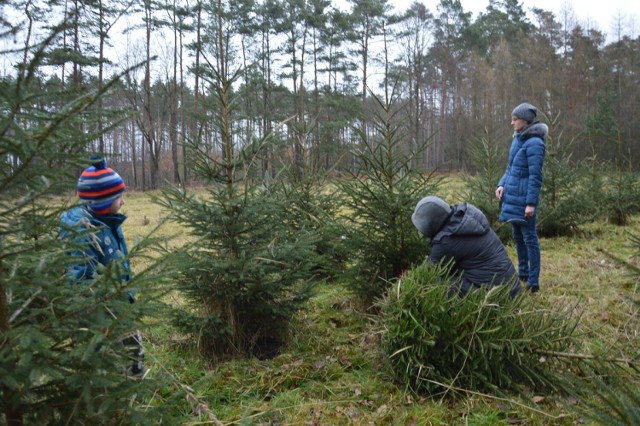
525 111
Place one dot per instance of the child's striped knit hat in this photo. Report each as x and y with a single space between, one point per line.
100 185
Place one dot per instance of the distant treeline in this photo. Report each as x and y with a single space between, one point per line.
325 72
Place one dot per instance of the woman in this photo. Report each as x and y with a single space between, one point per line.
519 190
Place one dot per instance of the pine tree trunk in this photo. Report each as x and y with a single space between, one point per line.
173 118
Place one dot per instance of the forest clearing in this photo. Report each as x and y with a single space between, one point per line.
331 371
239 184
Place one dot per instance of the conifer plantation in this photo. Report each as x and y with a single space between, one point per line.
273 153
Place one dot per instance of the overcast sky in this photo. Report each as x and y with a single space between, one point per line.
589 13
600 14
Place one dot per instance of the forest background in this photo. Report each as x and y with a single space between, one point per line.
316 66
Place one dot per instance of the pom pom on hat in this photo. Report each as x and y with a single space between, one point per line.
525 111
430 214
99 185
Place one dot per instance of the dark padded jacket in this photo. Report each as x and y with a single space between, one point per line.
479 257
522 179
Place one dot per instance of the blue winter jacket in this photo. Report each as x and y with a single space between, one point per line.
522 179
99 241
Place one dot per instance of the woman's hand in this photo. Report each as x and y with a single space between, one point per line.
529 211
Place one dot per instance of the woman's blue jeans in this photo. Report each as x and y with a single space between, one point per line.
525 236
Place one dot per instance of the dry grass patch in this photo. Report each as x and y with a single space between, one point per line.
583 271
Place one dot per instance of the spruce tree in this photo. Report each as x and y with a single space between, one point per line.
247 269
379 200
621 197
568 197
485 341
486 160
61 357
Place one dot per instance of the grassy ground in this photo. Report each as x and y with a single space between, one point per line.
332 373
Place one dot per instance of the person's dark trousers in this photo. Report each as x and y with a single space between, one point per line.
133 345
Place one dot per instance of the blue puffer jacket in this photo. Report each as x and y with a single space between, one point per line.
522 179
99 241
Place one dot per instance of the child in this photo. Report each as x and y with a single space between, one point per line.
102 189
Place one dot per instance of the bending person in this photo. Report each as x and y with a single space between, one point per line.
461 234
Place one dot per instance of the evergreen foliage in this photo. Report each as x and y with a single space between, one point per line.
620 191
487 160
310 207
620 402
621 194
568 196
314 61
61 356
248 266
485 341
378 202
608 394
